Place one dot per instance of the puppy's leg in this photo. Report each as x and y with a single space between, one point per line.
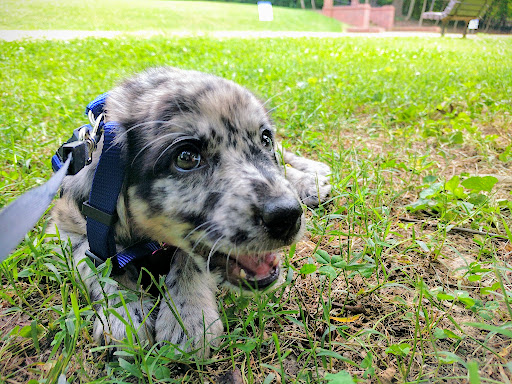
189 309
309 177
108 327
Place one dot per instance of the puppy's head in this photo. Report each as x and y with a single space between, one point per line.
203 174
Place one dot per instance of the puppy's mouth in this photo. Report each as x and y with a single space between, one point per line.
255 271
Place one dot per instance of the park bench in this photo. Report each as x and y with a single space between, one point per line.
459 10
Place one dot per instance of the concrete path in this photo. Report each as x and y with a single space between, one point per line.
14 35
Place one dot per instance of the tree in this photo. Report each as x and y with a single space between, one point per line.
399 5
411 7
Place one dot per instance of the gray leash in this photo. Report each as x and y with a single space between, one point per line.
21 215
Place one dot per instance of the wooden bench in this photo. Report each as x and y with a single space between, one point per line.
459 10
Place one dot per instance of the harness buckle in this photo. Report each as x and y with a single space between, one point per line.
80 155
98 215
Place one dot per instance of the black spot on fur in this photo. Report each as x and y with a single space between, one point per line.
263 160
213 133
95 296
181 337
215 159
232 142
79 242
232 130
178 106
197 269
208 88
211 201
157 81
194 219
259 187
171 285
144 192
138 316
239 237
254 151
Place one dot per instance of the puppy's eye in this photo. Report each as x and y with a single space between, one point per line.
266 139
188 159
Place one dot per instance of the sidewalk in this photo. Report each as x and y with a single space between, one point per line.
13 35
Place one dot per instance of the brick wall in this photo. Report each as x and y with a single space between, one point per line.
360 15
383 17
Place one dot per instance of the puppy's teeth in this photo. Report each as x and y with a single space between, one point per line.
275 262
243 275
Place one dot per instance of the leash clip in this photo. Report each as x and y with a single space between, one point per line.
91 137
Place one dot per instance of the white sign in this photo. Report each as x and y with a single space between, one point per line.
265 11
473 24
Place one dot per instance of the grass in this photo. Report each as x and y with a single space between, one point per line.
155 15
405 124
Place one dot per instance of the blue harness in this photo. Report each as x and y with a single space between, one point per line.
100 209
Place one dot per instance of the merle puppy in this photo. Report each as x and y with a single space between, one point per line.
204 176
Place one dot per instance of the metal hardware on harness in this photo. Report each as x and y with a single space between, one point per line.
91 138
95 121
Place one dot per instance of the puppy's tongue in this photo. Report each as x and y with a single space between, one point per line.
258 268
257 271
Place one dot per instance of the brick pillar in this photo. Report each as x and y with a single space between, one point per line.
327 8
383 16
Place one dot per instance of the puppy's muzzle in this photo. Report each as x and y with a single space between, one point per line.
281 217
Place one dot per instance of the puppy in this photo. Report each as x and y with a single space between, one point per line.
205 178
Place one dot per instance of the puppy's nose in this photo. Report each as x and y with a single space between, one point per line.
282 217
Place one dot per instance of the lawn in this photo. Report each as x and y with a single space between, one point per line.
404 274
155 15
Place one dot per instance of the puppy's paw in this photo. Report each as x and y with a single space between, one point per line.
201 329
309 177
312 189
112 330
302 164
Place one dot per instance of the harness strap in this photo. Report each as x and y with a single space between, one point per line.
106 187
97 105
137 251
100 209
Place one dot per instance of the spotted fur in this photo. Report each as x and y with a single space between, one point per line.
230 212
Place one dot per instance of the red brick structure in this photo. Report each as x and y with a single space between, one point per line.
360 16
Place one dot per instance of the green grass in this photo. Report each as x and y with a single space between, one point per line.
368 294
151 15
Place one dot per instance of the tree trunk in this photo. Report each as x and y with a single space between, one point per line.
399 5
411 8
423 10
302 5
313 5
